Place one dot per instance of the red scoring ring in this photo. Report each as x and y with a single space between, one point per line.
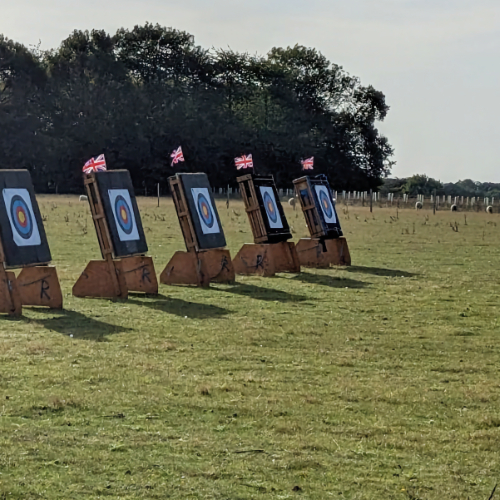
18 211
124 217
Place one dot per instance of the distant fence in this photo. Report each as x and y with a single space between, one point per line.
462 203
388 200
362 198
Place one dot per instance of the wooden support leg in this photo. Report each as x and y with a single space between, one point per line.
217 266
39 286
102 279
313 252
140 274
10 298
254 259
267 259
183 269
285 257
339 252
191 268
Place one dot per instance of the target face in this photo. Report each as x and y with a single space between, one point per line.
205 210
271 207
21 217
325 201
121 205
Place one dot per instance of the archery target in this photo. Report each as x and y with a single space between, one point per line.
325 201
271 207
123 212
21 217
206 214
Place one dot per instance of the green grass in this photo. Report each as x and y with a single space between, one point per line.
380 381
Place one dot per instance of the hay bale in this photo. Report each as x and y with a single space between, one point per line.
489 209
418 205
453 208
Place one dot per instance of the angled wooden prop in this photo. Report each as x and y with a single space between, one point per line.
124 267
327 245
206 260
23 244
270 253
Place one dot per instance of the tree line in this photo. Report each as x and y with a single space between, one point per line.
422 184
137 95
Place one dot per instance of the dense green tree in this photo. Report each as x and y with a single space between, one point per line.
22 83
137 95
422 184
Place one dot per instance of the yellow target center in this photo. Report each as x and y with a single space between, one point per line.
325 204
22 218
205 211
123 213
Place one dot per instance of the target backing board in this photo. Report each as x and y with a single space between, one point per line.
21 228
203 212
325 201
121 211
271 207
273 215
316 191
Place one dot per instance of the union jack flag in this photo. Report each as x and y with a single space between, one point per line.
244 161
308 163
177 156
97 164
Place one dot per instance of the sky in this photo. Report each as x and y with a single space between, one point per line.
436 61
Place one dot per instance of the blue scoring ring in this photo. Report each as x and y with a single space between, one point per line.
123 215
21 216
326 204
206 213
270 208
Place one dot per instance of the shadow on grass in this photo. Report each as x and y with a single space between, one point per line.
74 323
380 271
180 307
331 281
260 293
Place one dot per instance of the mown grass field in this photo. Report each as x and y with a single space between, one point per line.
379 381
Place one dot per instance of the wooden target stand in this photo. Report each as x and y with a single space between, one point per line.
196 266
112 278
322 249
36 285
267 255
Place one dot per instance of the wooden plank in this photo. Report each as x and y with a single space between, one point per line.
254 259
39 286
99 280
217 266
267 259
252 208
183 269
10 299
183 214
98 216
199 268
140 274
318 253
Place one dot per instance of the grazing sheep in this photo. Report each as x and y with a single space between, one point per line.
418 205
453 208
83 198
292 202
489 209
